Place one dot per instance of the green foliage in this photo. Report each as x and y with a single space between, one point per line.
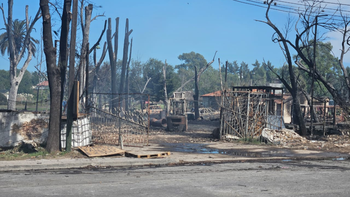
4 81
327 65
209 81
19 32
26 84
3 99
153 69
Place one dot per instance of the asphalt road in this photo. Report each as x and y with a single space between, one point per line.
301 178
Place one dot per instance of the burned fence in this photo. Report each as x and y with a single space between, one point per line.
120 126
246 111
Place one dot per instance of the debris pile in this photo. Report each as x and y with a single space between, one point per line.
32 129
339 141
283 136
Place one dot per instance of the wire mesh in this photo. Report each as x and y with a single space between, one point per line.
127 124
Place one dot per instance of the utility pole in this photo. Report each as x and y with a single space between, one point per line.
313 78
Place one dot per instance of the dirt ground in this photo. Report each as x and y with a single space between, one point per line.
201 131
198 131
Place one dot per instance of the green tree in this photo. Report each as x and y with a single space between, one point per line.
197 62
4 81
270 76
244 74
26 85
153 69
19 33
326 64
17 41
258 74
210 81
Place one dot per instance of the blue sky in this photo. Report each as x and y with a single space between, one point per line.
164 29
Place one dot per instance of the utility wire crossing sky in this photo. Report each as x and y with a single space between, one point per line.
164 29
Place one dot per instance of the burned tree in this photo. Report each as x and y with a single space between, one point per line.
306 42
165 89
17 48
127 79
85 27
196 63
54 71
113 59
125 58
280 38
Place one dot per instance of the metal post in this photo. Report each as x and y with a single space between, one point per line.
120 133
37 99
87 80
334 115
149 122
324 117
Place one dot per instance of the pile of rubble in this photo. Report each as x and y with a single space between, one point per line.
289 138
283 136
32 129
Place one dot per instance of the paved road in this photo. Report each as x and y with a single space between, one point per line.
302 178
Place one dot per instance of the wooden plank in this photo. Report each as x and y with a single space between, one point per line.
99 150
147 154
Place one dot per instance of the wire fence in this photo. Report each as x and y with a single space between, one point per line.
125 124
31 106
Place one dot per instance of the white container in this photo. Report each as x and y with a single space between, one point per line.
81 133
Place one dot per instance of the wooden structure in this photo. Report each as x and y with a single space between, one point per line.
246 110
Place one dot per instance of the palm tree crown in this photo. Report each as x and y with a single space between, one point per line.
19 32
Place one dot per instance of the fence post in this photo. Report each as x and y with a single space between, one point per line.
37 99
246 126
120 133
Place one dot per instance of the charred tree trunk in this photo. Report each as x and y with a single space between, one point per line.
97 69
164 87
293 88
54 74
84 50
127 79
113 60
71 76
63 56
125 58
196 94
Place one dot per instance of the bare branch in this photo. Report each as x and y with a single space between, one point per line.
82 17
56 9
104 51
99 39
27 37
3 14
198 75
144 87
100 15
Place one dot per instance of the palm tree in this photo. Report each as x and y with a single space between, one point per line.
19 32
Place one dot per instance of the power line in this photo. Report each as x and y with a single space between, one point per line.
292 7
320 2
264 6
289 10
325 8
